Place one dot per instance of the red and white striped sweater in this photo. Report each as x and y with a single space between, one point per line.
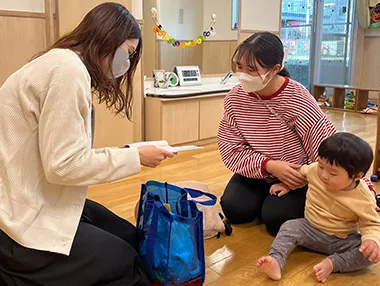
254 131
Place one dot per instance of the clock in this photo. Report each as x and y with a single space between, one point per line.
188 75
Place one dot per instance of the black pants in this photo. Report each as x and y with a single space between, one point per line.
246 199
103 253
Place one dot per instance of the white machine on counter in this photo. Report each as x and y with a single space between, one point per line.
188 75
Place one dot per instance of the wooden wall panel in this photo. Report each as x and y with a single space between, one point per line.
244 35
169 56
193 56
71 12
213 57
111 130
371 65
233 46
371 62
150 59
216 57
138 114
21 38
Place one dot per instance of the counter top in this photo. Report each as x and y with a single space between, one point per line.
209 86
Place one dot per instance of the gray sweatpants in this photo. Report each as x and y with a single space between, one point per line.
344 253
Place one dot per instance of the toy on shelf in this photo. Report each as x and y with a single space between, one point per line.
209 32
374 12
370 104
371 108
325 100
349 102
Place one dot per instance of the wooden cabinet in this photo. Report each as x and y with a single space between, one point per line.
183 120
210 113
180 121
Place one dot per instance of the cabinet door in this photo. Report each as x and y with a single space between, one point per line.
180 121
211 112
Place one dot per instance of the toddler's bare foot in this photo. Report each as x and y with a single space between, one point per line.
323 270
270 267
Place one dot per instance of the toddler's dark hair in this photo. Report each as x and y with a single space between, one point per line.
347 151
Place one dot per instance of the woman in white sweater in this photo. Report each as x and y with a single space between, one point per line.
50 234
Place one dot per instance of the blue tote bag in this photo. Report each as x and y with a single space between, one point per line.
170 230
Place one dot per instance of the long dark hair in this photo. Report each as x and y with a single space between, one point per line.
264 47
105 28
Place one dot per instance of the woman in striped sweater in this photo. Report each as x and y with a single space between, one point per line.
271 126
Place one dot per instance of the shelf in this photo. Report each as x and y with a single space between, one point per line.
361 102
339 93
347 87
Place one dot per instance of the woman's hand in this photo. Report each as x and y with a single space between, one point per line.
287 173
151 156
279 189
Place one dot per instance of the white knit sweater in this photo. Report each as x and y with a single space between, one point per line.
46 162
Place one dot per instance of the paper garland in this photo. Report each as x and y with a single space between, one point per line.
209 32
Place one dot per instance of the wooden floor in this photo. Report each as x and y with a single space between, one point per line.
231 260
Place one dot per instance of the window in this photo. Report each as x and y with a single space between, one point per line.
235 14
318 51
296 34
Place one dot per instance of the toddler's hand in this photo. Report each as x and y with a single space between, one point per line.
370 249
281 189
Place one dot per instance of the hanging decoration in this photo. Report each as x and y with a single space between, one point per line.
209 32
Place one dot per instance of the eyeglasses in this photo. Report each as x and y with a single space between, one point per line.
131 54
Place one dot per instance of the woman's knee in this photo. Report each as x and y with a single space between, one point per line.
273 219
238 211
122 263
242 199
277 210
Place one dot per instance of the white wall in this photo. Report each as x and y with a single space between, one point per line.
137 9
23 5
223 11
260 15
192 18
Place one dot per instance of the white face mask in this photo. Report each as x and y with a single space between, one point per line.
120 63
252 83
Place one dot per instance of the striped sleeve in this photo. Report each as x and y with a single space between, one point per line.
312 125
371 187
236 153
